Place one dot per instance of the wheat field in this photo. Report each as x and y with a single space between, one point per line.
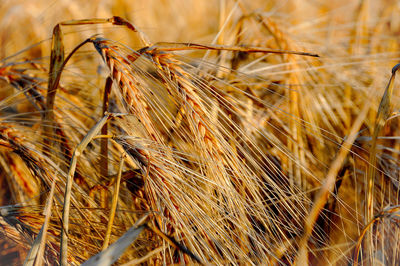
221 132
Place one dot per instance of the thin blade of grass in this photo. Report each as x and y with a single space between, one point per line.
56 63
114 204
38 246
104 131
